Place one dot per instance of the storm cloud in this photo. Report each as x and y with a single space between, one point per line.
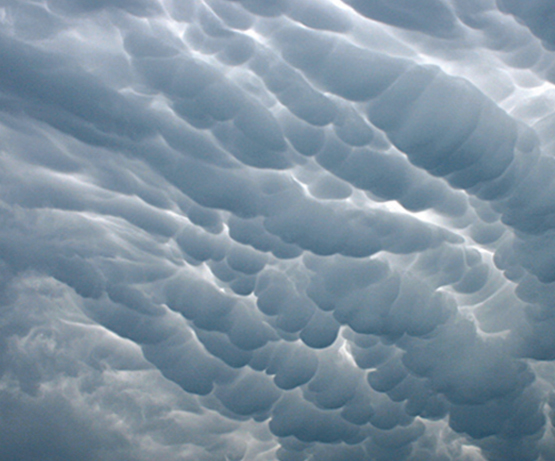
246 230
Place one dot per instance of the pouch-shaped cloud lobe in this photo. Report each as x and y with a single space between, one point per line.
293 230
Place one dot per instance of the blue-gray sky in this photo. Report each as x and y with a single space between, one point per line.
254 230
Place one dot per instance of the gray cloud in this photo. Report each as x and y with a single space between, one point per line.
294 230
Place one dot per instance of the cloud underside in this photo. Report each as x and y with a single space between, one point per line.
288 229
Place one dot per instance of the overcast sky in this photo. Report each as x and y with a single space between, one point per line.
256 230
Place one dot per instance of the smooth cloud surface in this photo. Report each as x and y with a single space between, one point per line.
293 230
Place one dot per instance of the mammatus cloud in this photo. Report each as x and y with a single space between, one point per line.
289 229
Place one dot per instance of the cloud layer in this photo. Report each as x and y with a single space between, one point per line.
289 229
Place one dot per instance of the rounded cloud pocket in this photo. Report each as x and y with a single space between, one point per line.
296 230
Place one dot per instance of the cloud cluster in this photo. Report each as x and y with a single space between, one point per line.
288 229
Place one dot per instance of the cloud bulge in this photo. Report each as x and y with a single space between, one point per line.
294 230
